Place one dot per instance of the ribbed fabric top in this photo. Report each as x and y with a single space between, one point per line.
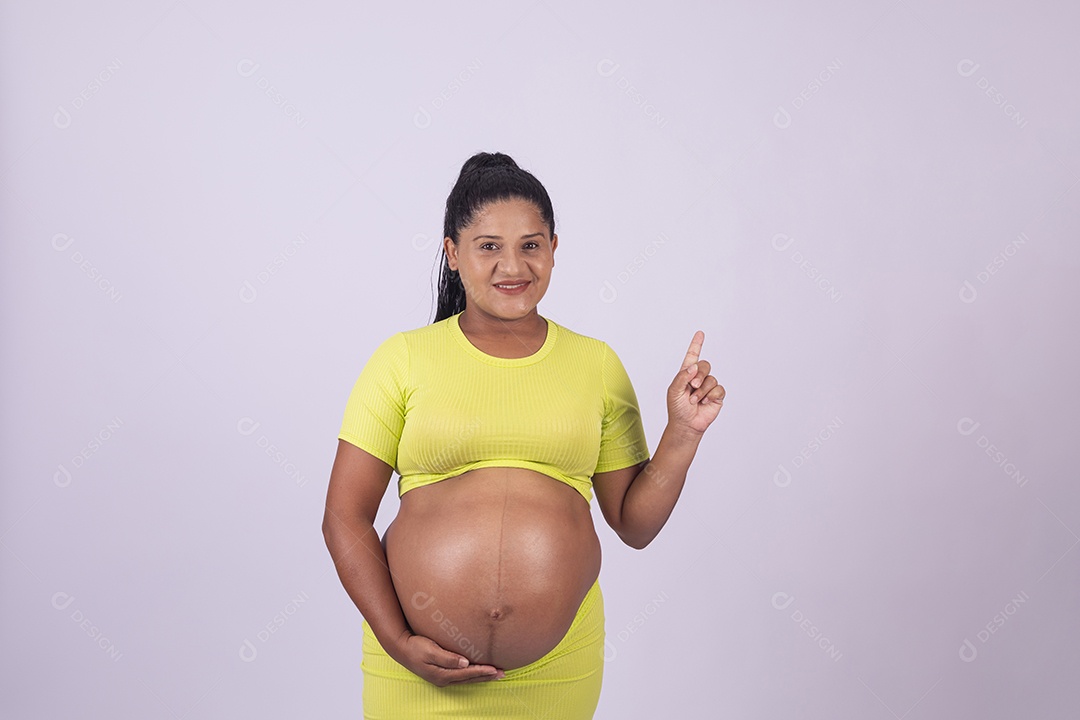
432 405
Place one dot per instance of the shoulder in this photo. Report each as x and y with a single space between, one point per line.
435 329
427 340
397 346
418 336
582 346
601 353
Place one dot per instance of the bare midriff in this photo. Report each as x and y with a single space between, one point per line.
494 563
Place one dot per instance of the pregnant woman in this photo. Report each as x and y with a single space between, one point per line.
482 599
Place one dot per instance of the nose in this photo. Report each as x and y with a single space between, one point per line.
510 263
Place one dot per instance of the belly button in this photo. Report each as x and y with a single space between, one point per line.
498 613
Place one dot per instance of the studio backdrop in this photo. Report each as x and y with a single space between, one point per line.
212 214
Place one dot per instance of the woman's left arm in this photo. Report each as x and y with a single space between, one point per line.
694 400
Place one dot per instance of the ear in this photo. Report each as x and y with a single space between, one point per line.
451 252
554 244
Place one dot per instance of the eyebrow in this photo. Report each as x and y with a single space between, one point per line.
498 237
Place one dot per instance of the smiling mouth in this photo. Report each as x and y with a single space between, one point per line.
512 289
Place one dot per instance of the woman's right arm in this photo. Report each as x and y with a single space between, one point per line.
358 482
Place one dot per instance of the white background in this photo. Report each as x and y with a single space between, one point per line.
213 213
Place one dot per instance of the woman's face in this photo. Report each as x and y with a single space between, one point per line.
507 244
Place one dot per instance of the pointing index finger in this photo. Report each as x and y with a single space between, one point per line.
694 352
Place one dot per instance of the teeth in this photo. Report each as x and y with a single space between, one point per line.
510 287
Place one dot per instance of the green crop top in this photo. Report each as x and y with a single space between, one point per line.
432 405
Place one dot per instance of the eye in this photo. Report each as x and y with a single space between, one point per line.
536 244
486 244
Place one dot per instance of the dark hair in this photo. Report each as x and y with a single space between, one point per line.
484 178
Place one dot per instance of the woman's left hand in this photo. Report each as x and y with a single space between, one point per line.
694 397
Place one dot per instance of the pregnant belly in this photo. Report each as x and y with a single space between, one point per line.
494 563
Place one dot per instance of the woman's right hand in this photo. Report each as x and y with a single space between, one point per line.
434 663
